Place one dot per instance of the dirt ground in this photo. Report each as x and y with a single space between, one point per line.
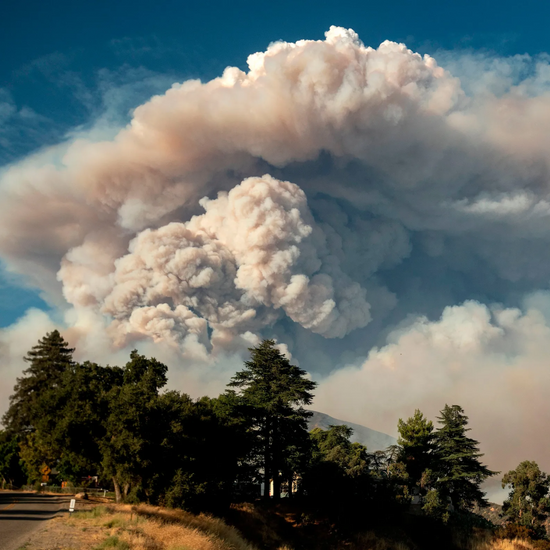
68 533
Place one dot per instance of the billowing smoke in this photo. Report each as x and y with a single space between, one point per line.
254 252
332 197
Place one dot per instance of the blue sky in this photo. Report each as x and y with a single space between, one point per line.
64 64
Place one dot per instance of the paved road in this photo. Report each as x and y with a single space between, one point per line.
23 513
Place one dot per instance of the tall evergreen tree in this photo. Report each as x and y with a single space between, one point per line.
459 471
48 361
34 406
273 393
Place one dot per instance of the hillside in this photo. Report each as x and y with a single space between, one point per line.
373 440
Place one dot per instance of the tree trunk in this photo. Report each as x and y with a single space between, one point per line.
290 481
276 452
267 465
118 495
126 489
276 485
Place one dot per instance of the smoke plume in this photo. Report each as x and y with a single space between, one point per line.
340 198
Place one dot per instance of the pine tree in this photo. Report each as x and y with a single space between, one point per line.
48 361
459 470
416 447
273 392
34 406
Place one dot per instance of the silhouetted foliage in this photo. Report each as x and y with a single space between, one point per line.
73 420
272 393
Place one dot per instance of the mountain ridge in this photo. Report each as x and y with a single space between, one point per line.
372 439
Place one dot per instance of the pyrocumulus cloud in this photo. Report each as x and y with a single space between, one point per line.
384 217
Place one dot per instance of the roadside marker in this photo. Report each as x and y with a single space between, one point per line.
72 505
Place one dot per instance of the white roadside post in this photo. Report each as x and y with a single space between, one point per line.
72 506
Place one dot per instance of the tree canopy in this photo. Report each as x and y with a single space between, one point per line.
528 503
70 420
48 361
273 393
458 468
416 447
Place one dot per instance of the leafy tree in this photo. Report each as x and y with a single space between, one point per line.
11 471
392 487
334 445
459 472
195 475
528 503
132 425
82 405
273 392
416 442
339 469
416 450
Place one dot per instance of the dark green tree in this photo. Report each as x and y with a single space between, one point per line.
11 470
272 393
338 481
34 404
82 406
416 449
132 425
48 361
195 474
459 472
528 503
334 445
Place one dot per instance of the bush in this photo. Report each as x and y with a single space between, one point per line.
185 493
514 531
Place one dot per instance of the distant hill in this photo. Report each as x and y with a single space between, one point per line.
374 441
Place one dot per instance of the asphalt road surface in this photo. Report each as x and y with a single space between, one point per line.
21 514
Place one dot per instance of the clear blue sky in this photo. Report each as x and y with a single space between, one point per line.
61 60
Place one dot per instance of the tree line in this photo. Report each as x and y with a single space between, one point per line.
149 444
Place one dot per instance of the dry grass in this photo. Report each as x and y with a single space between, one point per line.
371 541
125 527
169 521
500 544
151 528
